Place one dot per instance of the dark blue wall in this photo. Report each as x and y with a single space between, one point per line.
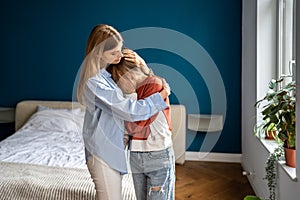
43 43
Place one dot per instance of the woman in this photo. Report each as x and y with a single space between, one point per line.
151 152
106 110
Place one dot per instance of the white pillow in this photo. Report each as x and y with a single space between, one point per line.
56 119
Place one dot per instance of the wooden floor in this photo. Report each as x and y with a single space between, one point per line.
211 181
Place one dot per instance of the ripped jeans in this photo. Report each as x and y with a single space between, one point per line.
153 174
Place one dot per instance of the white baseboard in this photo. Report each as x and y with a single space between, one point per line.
213 157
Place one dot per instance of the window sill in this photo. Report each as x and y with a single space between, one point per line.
270 145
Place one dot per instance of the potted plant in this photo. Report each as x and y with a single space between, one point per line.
278 111
271 132
268 130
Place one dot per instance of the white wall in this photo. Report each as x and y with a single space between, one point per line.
250 145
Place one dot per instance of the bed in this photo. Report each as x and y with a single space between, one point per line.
44 158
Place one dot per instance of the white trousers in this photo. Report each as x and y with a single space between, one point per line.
108 182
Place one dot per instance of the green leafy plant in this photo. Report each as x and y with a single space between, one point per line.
271 169
251 197
278 111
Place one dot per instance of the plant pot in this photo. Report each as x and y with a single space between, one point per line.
290 157
270 135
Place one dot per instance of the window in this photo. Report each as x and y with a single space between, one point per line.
276 49
286 43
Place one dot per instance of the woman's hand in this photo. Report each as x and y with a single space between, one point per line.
166 89
132 56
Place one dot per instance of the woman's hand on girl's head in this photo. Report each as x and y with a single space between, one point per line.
166 89
132 56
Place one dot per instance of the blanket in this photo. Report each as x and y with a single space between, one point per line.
20 181
28 181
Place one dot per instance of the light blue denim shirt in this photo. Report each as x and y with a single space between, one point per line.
106 110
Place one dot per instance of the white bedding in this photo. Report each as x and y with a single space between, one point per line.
50 137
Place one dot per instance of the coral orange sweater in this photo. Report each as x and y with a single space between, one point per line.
140 130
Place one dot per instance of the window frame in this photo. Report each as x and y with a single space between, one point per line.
286 39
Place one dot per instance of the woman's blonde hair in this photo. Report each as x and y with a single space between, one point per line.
102 38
